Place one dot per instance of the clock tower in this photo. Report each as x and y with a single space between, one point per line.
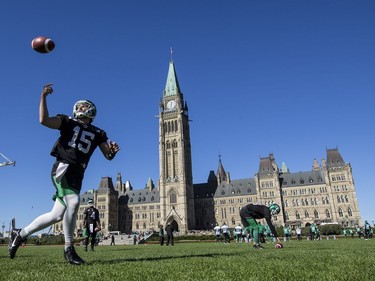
176 179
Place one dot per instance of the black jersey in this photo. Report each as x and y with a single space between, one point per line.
77 142
258 212
91 216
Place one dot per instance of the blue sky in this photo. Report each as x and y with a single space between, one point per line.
285 77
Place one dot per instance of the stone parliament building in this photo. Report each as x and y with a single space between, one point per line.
325 194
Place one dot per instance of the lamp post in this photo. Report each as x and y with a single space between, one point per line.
3 226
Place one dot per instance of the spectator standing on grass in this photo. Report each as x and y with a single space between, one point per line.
161 235
359 231
226 233
317 237
299 233
217 230
286 231
367 228
313 231
351 232
112 240
169 229
238 233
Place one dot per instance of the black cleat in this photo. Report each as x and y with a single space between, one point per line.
257 246
15 241
71 256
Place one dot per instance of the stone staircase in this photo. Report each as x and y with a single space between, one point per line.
121 239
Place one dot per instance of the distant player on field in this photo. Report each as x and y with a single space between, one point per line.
91 224
238 233
217 230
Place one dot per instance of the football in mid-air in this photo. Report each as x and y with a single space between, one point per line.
42 44
278 245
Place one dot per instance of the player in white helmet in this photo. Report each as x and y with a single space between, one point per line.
77 142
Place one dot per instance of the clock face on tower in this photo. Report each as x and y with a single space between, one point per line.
171 104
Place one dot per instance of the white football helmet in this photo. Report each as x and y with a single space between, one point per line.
89 112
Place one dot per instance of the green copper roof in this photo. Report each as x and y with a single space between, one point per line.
172 88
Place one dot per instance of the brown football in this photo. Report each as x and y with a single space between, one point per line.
42 44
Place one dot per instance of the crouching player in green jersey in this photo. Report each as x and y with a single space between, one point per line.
251 212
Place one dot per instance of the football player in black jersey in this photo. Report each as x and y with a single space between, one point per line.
77 142
251 212
91 223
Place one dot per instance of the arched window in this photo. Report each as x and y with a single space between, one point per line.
286 215
350 212
174 144
328 214
307 215
173 197
298 216
341 213
316 214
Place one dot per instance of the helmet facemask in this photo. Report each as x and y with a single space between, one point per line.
274 209
89 112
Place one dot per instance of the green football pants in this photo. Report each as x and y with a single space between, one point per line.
253 229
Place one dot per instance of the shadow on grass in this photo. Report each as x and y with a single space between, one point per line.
112 261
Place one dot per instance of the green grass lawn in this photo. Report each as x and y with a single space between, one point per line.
344 259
